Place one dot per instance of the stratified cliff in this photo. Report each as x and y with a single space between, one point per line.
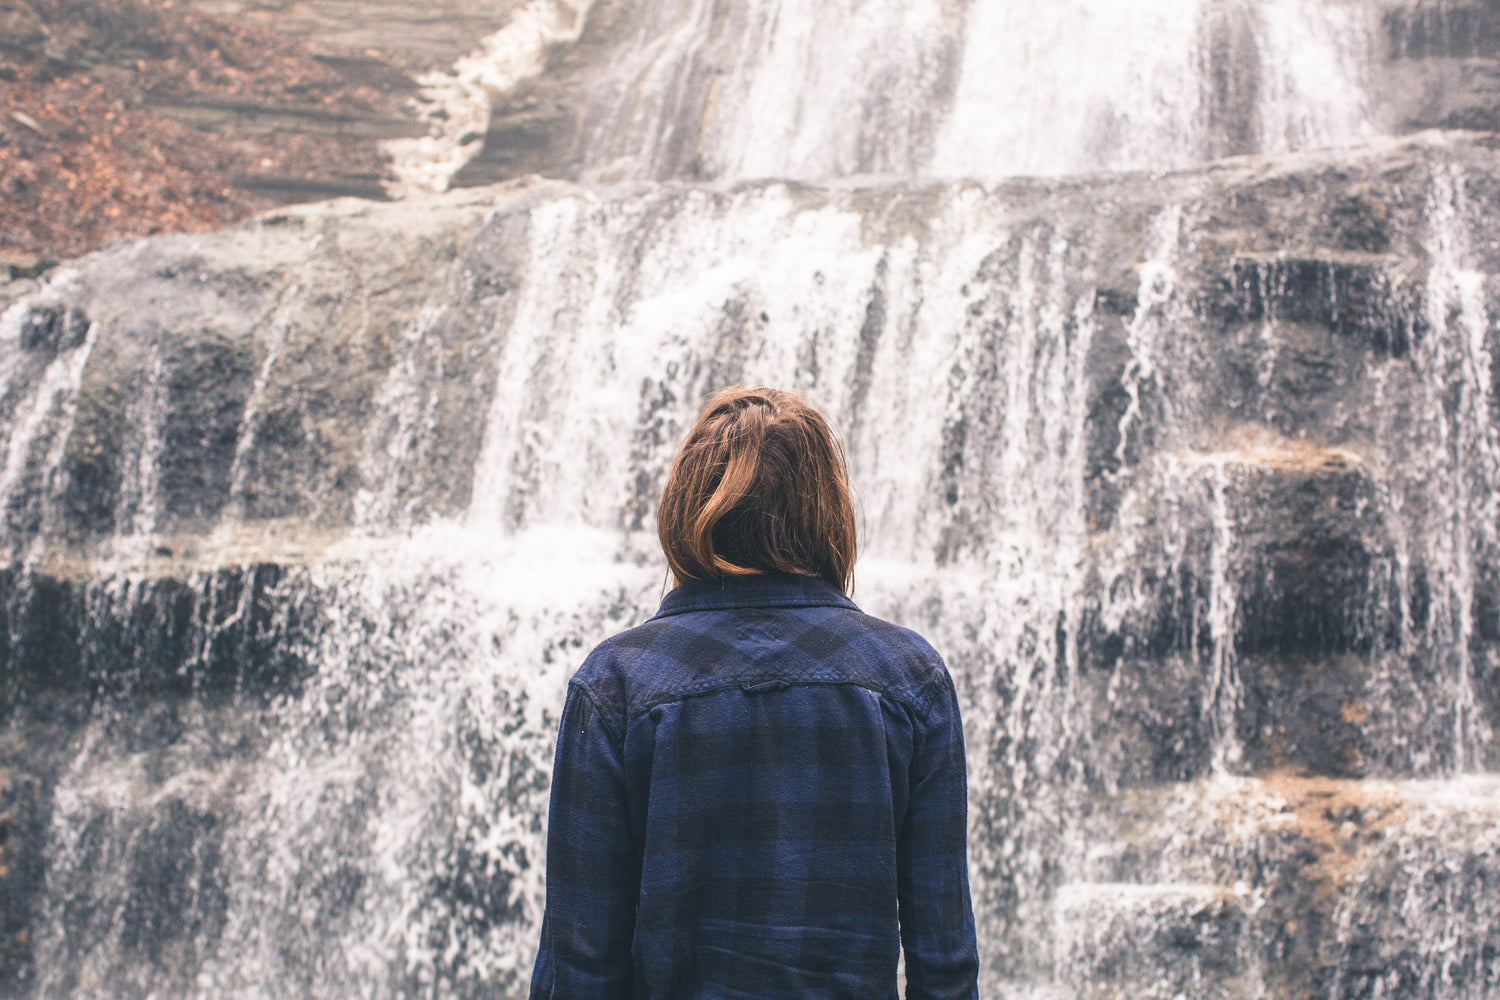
1183 448
1190 478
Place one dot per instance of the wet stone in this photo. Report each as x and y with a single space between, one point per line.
1352 294
54 328
1151 942
230 631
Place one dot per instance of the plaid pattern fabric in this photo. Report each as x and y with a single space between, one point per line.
759 793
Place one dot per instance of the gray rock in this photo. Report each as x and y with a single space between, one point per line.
1191 478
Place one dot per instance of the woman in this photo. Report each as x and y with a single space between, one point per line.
760 792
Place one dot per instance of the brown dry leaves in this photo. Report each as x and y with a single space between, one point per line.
84 159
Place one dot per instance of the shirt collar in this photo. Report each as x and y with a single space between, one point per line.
765 590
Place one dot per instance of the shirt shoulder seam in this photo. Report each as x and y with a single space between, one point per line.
593 700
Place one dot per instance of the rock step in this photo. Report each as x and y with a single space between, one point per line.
226 631
1275 621
251 118
382 45
1288 528
1168 719
1444 30
1443 65
1129 941
294 190
1356 294
415 33
210 615
1286 886
255 118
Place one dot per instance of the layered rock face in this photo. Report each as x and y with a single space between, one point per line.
1191 476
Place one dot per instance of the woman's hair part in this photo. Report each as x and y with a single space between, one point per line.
760 485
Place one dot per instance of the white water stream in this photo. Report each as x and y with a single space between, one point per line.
985 88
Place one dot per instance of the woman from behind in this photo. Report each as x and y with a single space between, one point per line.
760 792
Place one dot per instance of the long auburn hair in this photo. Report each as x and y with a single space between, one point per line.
760 485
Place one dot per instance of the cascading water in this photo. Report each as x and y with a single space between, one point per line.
457 104
945 88
1069 87
1191 477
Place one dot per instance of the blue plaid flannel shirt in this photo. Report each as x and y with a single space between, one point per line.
759 793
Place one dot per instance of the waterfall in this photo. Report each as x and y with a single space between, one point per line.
456 104
1182 449
1072 87
986 88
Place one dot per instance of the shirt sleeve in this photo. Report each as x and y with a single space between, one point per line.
932 866
593 876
